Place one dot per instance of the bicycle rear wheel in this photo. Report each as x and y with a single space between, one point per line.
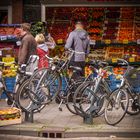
24 101
134 104
114 112
45 85
82 97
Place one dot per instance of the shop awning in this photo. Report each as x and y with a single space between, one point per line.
91 3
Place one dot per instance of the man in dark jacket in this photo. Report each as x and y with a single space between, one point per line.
28 44
78 41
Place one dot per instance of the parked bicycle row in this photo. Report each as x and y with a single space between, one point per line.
83 96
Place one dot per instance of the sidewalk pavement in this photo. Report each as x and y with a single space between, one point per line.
51 120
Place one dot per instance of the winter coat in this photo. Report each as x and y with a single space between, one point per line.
27 48
78 40
42 50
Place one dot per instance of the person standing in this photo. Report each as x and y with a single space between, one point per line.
78 41
28 44
43 46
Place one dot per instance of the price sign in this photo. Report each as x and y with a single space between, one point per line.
138 41
107 41
3 38
8 59
92 42
131 59
106 22
104 28
125 41
60 41
114 60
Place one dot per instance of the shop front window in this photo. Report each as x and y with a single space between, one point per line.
3 17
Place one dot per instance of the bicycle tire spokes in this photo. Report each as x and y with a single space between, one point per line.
116 107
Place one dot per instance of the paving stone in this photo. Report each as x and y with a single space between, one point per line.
51 117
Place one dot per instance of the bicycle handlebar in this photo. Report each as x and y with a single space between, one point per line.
49 58
123 62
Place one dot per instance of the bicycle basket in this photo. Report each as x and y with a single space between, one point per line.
133 77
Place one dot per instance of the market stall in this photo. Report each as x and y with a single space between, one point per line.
113 27
9 46
107 27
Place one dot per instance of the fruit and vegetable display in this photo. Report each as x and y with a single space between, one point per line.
132 54
126 24
59 31
8 55
10 72
107 25
137 25
9 113
111 23
96 18
112 53
10 116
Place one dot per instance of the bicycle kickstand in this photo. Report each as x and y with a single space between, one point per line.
59 107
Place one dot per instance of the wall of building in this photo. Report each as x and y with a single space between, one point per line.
17 11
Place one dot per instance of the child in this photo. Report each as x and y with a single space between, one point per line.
42 50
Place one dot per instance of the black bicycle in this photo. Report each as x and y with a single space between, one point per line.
90 97
46 84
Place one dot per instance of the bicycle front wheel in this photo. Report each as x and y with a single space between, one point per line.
114 112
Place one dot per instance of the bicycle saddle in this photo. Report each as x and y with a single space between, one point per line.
75 68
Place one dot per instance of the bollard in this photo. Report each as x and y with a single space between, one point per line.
29 116
88 119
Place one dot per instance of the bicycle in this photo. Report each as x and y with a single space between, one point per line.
11 95
90 97
51 81
25 72
118 103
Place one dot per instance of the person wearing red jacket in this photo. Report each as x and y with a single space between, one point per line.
43 49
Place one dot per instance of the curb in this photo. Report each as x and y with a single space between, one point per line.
63 133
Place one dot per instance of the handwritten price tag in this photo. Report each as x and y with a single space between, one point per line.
138 41
125 41
8 59
3 38
114 60
107 41
131 59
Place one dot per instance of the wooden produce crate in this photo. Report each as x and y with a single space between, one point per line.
114 52
10 116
